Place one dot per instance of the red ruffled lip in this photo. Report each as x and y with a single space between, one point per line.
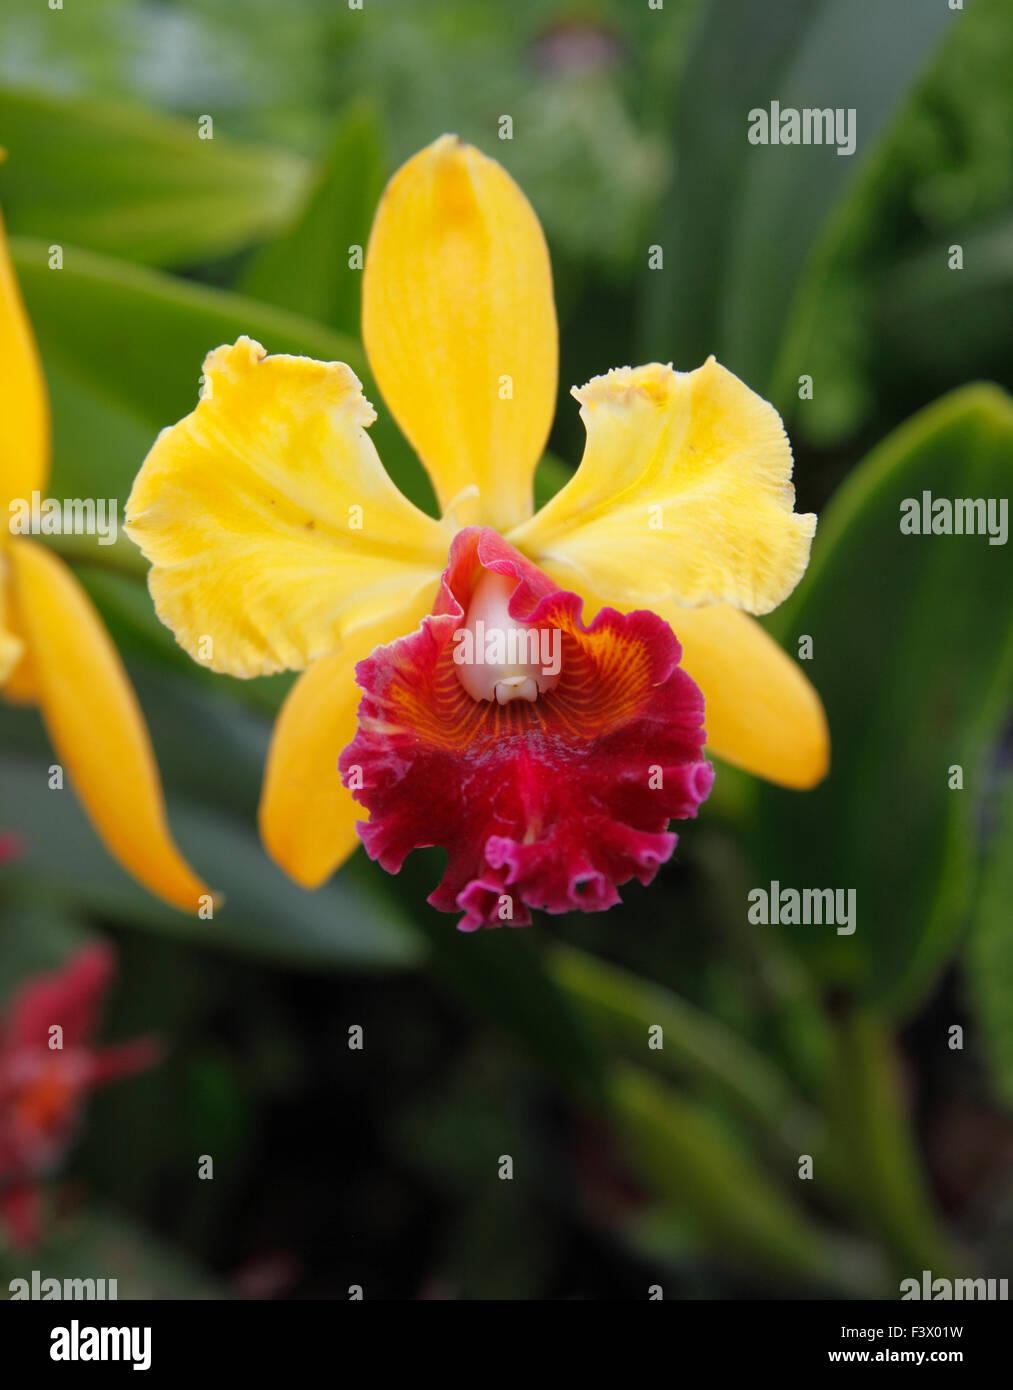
551 804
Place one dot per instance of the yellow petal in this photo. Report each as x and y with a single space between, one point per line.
760 711
96 725
10 653
272 528
307 818
684 492
459 325
24 409
11 646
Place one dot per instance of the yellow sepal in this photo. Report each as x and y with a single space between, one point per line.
459 324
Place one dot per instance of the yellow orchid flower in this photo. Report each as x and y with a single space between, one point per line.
55 651
549 763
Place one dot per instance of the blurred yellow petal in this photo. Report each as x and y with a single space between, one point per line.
459 325
761 713
96 726
17 681
24 408
307 818
10 653
272 528
11 646
684 492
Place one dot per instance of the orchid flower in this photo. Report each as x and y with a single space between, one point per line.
54 650
526 691
47 1066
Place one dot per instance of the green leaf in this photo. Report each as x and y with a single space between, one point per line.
990 946
913 655
306 268
936 324
744 220
695 1046
873 1148
703 1174
118 178
123 346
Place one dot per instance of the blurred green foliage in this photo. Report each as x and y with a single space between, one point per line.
634 1165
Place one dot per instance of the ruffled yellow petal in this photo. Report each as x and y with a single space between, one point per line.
307 818
684 492
24 409
459 325
272 528
96 725
761 713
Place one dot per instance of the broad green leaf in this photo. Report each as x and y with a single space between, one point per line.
990 946
127 181
123 346
744 220
913 655
306 269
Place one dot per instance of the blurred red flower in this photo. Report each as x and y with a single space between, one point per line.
47 1067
